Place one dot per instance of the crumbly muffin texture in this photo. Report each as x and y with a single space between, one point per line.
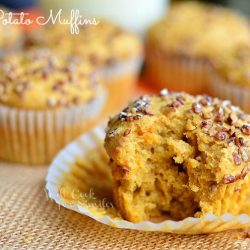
40 79
178 155
197 29
102 44
234 67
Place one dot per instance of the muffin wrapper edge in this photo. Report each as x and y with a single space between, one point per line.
93 141
176 72
226 90
35 136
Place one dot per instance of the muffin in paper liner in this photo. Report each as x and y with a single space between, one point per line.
220 87
79 179
121 78
176 72
36 136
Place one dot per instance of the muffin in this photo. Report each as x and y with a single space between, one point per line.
230 77
11 39
46 100
115 52
180 46
179 155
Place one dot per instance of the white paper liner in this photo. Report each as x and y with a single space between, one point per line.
121 79
94 140
131 66
238 95
176 72
34 136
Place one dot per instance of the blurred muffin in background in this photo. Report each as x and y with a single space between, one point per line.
180 46
46 100
230 77
11 39
115 52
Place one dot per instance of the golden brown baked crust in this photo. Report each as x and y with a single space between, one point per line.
179 154
200 30
102 44
234 67
40 79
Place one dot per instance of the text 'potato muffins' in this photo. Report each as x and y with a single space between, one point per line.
46 100
179 155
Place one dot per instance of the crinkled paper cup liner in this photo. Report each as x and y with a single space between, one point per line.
121 79
176 72
35 137
79 179
226 90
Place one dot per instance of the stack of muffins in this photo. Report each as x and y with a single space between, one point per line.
60 85
181 47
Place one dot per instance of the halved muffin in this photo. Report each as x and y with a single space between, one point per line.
179 155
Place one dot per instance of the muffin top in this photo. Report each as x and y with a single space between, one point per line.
234 67
197 29
39 79
207 135
103 44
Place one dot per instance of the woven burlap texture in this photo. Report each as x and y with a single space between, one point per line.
28 220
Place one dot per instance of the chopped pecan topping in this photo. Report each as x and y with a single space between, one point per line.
197 108
246 129
206 101
175 104
205 124
180 99
221 136
232 119
228 179
224 129
237 159
123 116
127 132
238 141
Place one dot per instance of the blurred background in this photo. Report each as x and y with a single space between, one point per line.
145 11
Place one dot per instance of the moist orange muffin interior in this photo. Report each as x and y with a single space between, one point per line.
178 155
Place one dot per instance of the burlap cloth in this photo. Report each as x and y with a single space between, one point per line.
28 220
